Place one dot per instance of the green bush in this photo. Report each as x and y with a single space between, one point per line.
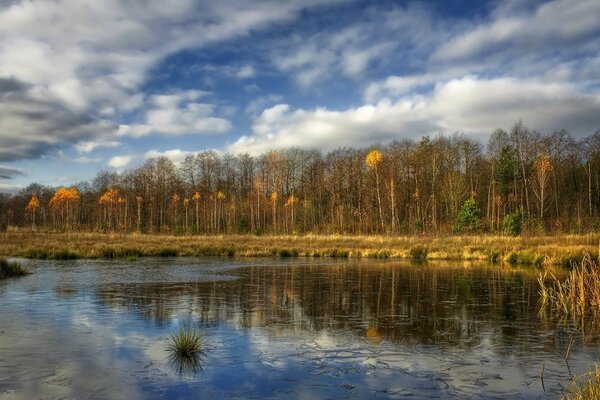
512 223
467 219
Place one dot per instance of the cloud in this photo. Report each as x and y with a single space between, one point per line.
10 173
175 155
88 160
119 162
10 187
76 66
177 114
91 145
470 104
558 24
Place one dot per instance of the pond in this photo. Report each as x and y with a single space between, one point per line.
283 328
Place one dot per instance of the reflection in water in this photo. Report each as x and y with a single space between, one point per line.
407 304
291 329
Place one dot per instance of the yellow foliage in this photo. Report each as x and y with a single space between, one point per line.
34 203
64 197
374 158
291 201
274 197
196 196
220 195
175 199
111 196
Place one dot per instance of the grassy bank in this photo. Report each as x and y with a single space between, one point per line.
533 250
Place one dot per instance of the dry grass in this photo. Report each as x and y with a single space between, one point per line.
532 250
577 295
586 387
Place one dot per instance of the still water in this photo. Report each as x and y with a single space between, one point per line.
283 328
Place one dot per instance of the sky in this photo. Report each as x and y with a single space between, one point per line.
89 85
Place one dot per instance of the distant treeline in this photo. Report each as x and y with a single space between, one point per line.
522 180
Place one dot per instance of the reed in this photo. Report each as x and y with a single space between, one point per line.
10 269
586 387
577 295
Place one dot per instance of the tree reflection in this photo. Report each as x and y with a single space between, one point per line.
446 305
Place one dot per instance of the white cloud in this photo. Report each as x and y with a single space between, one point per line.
245 72
81 63
88 160
91 145
175 155
119 162
469 104
177 114
552 25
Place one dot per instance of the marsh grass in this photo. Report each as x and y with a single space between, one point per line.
525 250
586 387
10 269
577 295
186 349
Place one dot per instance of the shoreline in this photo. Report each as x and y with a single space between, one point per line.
561 250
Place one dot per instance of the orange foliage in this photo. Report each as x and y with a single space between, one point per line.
34 203
374 158
64 197
111 196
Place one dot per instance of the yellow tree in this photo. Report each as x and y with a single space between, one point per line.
109 201
289 204
219 212
63 202
186 203
32 207
373 160
274 197
196 198
543 169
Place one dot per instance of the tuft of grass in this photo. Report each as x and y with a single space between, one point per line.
586 387
10 269
577 295
64 254
186 348
167 252
418 253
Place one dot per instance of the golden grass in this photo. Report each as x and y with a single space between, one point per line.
533 250
577 295
586 387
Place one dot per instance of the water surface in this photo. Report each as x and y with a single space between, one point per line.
283 328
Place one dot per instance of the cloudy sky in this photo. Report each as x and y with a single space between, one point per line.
90 85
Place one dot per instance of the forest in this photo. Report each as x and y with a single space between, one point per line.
520 181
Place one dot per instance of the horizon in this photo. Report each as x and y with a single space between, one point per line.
87 87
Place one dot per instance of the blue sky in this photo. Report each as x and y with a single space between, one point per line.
88 85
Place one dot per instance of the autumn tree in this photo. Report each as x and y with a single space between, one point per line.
32 207
373 160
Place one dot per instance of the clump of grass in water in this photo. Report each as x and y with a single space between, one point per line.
186 349
9 269
577 295
586 389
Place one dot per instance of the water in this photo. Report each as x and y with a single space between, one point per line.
291 329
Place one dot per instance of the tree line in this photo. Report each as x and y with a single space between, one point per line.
521 180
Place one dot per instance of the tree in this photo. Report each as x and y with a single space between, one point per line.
467 219
543 168
63 203
32 207
373 160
